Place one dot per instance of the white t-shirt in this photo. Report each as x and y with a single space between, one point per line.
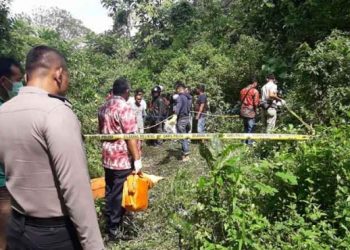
266 89
131 100
140 112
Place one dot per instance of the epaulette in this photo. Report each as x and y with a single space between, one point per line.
61 98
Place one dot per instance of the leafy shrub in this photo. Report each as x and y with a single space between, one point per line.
297 197
322 79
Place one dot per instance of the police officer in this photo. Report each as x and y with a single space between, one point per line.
45 163
270 101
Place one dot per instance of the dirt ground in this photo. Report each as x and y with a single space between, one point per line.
154 226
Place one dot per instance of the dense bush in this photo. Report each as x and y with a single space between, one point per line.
322 79
297 197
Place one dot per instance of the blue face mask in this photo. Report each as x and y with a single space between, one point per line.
16 86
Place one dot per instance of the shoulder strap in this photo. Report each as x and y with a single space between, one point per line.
61 98
246 94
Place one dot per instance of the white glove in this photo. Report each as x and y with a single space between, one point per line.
173 120
138 166
283 102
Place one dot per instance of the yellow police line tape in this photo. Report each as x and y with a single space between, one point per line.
208 136
193 112
218 115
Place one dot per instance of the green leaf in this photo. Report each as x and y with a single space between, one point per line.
265 189
288 177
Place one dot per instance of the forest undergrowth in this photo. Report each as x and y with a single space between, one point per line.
276 195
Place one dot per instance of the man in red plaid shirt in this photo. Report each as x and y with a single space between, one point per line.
119 157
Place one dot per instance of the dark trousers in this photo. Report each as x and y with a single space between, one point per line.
23 234
156 129
114 193
182 127
249 125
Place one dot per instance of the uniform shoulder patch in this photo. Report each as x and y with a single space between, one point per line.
61 98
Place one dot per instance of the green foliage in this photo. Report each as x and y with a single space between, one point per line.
181 14
286 24
298 197
275 196
4 23
109 44
23 37
322 79
60 21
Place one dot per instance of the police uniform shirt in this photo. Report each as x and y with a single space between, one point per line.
45 164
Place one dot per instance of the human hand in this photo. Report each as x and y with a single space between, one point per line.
172 121
137 166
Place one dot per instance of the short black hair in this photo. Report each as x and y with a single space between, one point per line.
120 86
44 57
201 87
271 76
5 66
139 90
179 84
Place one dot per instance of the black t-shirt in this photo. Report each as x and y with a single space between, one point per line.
202 99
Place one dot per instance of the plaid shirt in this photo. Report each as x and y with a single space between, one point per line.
116 117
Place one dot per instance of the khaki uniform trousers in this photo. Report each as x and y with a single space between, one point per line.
270 118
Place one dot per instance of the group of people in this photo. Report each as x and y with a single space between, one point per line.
170 112
251 104
45 195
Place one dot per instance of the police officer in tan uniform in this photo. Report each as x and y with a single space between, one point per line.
45 163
